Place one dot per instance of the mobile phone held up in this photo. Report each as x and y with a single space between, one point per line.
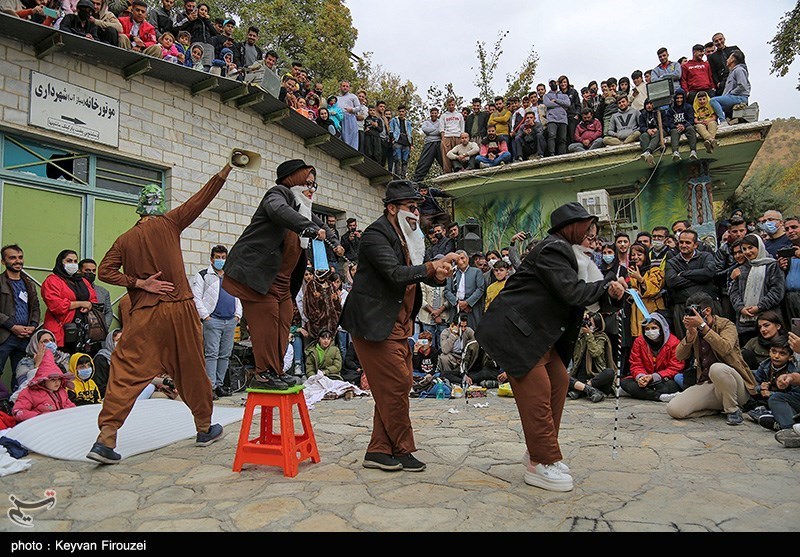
796 326
787 253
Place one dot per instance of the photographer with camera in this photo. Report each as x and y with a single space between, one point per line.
724 381
690 272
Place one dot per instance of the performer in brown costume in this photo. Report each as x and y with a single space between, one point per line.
379 315
265 267
162 332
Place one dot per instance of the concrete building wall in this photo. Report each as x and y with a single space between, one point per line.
190 138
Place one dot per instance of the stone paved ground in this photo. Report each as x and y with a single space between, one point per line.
666 476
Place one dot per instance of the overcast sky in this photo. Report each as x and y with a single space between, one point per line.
434 41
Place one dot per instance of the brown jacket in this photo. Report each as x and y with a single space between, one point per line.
724 341
7 307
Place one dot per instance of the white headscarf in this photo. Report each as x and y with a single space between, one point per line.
754 288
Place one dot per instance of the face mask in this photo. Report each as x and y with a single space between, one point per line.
219 264
71 268
658 244
652 334
51 346
609 259
85 373
751 228
770 227
90 277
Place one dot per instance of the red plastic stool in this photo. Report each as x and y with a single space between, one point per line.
282 448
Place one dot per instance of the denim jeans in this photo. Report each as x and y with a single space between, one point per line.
297 346
342 338
726 102
218 345
436 332
503 157
784 405
14 348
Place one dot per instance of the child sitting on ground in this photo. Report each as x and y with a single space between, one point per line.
324 356
46 392
773 405
83 390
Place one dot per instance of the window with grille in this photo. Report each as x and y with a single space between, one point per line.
625 210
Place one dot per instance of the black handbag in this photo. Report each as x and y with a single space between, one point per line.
70 333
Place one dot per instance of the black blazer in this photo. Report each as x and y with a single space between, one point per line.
255 258
541 306
374 302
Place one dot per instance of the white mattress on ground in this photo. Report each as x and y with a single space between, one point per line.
152 424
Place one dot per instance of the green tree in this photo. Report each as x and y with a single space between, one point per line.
519 84
786 43
761 192
318 33
487 64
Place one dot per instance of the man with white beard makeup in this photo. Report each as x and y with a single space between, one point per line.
265 268
379 315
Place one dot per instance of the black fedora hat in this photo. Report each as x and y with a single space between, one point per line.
399 190
567 214
286 169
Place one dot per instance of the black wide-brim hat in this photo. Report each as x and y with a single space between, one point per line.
567 214
286 169
399 190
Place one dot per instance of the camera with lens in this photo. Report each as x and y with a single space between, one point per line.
692 308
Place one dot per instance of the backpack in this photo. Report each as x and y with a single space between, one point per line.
97 329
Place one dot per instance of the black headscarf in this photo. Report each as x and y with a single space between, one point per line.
75 282
325 122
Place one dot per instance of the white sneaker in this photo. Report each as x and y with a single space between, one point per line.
723 124
646 154
667 398
693 156
549 477
676 156
526 460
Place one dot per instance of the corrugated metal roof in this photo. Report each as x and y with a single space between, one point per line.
46 40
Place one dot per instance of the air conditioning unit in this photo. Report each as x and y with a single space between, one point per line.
597 203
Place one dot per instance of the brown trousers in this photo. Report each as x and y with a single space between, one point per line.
540 396
387 365
269 317
166 338
447 145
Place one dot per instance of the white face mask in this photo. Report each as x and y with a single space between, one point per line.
71 268
652 334
414 237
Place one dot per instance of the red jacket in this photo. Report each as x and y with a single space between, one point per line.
666 364
146 31
57 297
590 132
696 76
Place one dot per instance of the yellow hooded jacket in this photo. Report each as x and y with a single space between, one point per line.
84 391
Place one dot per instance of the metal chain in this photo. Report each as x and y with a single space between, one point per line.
617 391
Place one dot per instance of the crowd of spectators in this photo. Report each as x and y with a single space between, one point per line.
554 119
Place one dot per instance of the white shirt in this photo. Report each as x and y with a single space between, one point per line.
453 123
460 293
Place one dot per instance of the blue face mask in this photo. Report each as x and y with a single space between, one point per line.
51 346
608 258
219 264
770 227
85 374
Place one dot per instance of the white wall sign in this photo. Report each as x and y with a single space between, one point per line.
59 106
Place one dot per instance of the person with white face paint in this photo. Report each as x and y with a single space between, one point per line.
379 314
265 267
68 297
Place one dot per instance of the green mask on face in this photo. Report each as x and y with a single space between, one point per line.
151 201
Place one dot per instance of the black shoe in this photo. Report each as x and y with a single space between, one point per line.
489 384
289 379
104 455
268 381
574 395
410 464
594 395
381 461
214 395
222 391
205 439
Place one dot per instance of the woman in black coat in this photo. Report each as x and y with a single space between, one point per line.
530 330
